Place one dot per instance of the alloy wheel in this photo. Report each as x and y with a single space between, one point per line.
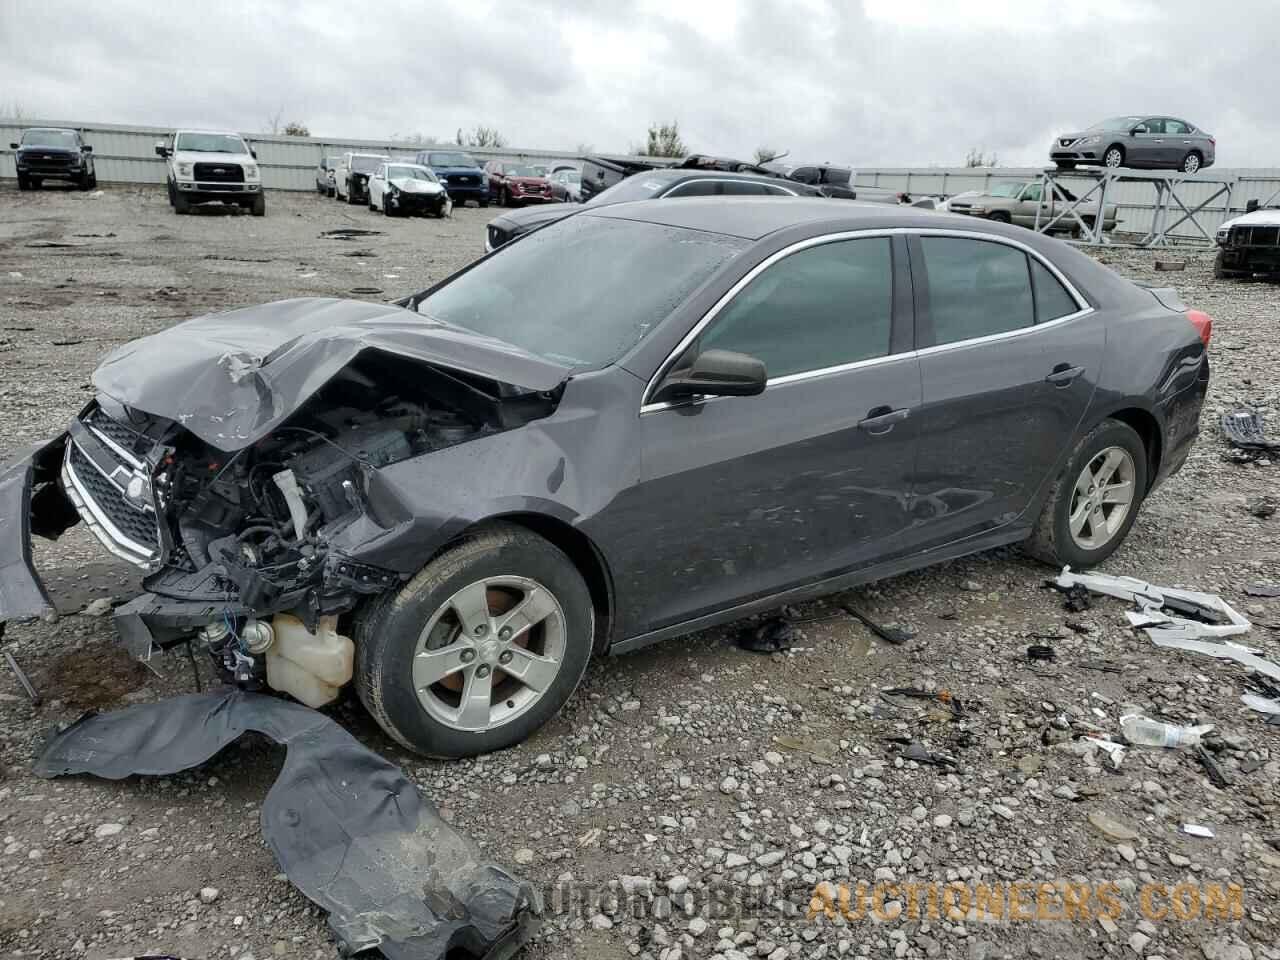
1102 498
489 653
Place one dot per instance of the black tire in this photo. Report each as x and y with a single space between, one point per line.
1051 541
1192 159
387 638
258 207
1119 150
23 183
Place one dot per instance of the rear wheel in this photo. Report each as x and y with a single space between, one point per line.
1114 157
1191 162
480 649
1095 500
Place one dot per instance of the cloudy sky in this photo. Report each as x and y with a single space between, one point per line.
869 82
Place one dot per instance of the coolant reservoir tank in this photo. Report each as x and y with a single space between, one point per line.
310 667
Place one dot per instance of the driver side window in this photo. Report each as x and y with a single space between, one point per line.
820 307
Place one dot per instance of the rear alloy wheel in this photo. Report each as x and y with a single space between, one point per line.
1191 162
1095 500
1114 157
480 649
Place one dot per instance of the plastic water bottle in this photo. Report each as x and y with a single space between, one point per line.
1145 732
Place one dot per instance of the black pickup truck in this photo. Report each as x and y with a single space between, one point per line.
52 153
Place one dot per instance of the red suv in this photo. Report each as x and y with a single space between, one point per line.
513 184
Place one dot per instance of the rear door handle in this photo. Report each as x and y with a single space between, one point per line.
1063 375
880 420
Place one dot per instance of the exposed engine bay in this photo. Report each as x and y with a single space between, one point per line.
239 545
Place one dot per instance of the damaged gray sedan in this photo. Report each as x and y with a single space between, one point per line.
637 422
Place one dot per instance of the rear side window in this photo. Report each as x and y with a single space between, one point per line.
695 188
1052 299
821 307
977 288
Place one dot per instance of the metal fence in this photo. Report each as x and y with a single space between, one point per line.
126 154
1137 199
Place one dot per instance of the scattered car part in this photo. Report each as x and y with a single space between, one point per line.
347 827
889 634
1041 652
1243 427
772 636
1217 776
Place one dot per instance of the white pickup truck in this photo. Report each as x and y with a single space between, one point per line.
207 166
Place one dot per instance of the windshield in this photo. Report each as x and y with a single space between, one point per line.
1117 123
366 164
410 173
582 291
1010 188
210 143
640 186
450 160
49 138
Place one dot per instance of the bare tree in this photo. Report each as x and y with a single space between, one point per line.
481 137
664 141
976 158
295 129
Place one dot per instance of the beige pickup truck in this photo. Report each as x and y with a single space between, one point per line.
1017 201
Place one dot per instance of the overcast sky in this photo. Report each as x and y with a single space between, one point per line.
876 82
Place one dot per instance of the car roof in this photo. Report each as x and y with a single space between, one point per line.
754 217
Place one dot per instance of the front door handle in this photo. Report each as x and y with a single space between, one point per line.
880 420
1063 375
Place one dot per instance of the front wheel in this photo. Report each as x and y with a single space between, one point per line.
1095 500
480 649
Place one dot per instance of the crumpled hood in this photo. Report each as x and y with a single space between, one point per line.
1259 218
414 185
231 378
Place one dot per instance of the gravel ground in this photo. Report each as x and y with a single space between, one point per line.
691 769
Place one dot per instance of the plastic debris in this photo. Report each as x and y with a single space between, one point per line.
1144 732
1243 427
889 634
1195 830
772 636
347 827
1217 775
1214 617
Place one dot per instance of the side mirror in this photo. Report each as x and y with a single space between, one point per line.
88 149
715 373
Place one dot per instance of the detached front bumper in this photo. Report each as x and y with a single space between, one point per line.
31 501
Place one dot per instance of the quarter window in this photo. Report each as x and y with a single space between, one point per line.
1052 299
977 288
820 307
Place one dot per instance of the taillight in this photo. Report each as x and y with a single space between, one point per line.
1203 324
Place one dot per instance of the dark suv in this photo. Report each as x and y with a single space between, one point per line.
459 173
53 153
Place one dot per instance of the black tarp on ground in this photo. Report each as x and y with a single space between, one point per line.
347 827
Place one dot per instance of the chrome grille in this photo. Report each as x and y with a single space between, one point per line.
99 486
